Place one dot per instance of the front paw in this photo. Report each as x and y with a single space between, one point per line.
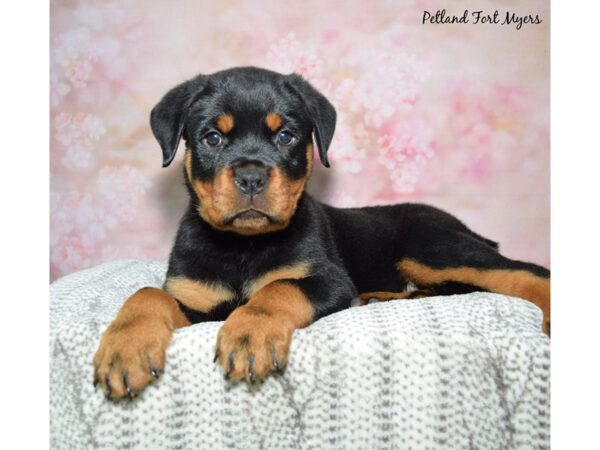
253 342
131 355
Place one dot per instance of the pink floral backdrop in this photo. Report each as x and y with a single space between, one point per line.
452 115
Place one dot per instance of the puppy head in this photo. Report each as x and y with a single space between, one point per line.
249 148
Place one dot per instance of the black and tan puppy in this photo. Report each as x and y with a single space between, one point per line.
255 250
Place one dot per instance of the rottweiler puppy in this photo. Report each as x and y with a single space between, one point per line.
255 250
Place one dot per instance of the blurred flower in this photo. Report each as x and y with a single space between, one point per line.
75 135
122 187
84 221
341 199
391 85
77 157
404 154
58 90
345 152
477 169
288 56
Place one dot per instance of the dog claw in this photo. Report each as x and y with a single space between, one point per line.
230 365
217 354
127 388
108 388
276 363
251 368
155 373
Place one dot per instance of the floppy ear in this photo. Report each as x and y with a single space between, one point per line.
167 118
321 112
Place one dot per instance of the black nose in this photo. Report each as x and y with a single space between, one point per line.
250 179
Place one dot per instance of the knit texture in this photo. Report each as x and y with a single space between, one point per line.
465 371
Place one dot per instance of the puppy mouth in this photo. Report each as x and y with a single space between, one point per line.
250 214
250 217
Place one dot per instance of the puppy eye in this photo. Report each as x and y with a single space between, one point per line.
285 138
213 139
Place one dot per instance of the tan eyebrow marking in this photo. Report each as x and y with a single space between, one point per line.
225 123
273 121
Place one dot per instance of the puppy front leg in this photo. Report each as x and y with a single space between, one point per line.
255 338
132 350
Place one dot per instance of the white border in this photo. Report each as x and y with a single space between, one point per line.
575 224
24 237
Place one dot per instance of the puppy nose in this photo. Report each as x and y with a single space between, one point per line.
250 179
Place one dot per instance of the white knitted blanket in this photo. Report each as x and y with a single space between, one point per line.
467 371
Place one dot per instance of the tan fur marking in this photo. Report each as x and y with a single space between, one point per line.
517 283
286 300
261 330
198 295
273 121
217 198
135 343
310 156
225 123
295 272
151 303
383 295
188 164
283 195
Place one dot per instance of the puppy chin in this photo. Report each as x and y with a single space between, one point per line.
252 225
